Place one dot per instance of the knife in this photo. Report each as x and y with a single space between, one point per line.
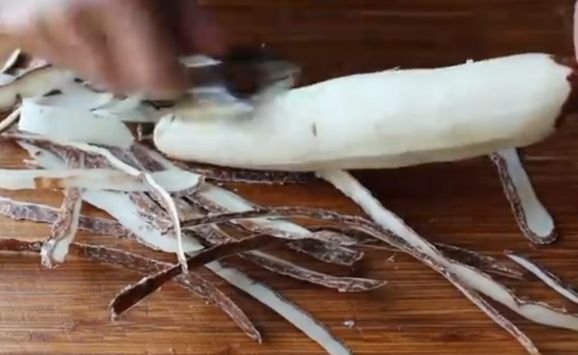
244 73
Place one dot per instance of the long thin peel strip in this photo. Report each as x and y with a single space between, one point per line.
104 158
326 245
216 199
485 263
465 275
327 253
549 278
64 229
533 219
164 196
143 265
155 161
378 232
101 226
121 206
133 294
283 267
216 236
191 281
495 315
462 255
264 294
141 205
285 308
157 201
469 257
106 169
313 247
226 175
289 311
389 230
34 212
323 236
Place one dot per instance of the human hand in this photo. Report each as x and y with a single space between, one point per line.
124 46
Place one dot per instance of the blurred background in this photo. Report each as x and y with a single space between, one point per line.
337 37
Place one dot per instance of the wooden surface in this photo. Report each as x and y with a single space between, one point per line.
64 311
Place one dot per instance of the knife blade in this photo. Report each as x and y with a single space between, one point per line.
244 72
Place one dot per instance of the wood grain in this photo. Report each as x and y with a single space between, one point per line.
63 311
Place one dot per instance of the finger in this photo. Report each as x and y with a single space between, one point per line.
98 58
143 50
67 37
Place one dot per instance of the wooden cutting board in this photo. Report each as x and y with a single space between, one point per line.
64 311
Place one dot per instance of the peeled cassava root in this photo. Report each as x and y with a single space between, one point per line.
389 119
158 195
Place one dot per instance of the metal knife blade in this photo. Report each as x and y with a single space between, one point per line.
245 73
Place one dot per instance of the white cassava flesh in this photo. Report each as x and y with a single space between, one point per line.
381 120
63 123
532 217
75 96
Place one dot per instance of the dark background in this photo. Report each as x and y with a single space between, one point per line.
336 37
